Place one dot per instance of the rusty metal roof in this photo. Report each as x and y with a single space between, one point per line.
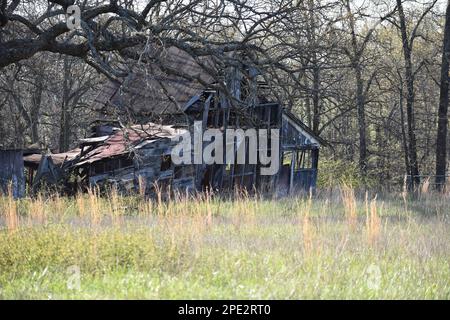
121 142
57 158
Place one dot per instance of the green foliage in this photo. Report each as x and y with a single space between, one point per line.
333 173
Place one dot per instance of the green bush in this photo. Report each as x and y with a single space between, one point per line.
333 173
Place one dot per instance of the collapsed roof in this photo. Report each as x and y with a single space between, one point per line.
121 142
168 80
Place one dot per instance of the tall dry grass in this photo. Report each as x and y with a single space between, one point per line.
37 210
244 208
115 206
95 212
304 208
12 217
192 215
81 204
350 206
373 221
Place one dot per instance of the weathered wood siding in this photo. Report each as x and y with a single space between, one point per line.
12 172
146 170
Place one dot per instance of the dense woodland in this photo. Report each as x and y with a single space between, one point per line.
368 76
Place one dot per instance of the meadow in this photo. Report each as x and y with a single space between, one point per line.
337 244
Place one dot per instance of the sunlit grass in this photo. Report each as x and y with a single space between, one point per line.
333 245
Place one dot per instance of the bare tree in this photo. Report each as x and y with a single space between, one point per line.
441 140
407 45
355 53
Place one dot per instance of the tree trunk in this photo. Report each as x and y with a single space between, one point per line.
413 163
359 94
404 139
64 133
35 110
360 105
316 97
315 68
308 105
441 140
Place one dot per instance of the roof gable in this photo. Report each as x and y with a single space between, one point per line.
308 138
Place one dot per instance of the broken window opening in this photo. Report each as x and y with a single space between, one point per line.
166 162
304 160
111 165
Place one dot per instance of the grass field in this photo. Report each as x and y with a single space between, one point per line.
335 245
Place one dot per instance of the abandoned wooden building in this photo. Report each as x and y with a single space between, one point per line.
159 105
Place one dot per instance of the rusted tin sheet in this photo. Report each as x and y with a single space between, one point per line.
126 140
57 158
